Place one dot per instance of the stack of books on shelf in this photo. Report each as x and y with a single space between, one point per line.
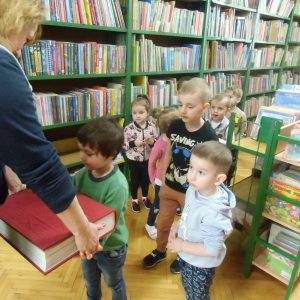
288 241
278 7
272 31
287 183
227 55
149 57
79 104
226 23
48 57
292 56
157 15
266 57
91 12
243 3
253 105
220 81
262 82
295 34
290 77
162 92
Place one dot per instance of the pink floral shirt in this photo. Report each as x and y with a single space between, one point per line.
134 132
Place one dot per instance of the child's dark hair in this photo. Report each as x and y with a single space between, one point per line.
143 100
216 153
165 116
181 80
103 135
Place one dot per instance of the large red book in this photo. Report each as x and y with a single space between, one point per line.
29 226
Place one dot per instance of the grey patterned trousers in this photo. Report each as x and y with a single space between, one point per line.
196 281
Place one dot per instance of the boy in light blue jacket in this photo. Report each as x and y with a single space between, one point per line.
205 223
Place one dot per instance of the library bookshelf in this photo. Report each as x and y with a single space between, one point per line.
78 33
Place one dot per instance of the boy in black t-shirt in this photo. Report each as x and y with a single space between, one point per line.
184 134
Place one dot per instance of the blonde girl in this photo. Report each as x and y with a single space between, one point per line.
140 136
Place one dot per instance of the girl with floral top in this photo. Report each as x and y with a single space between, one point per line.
140 136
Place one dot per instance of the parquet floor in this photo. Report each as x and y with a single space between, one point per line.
20 280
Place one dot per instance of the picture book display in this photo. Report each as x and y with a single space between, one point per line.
288 241
38 234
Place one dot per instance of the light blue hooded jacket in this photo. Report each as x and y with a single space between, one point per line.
207 220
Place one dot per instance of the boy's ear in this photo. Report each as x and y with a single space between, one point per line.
205 107
228 110
238 100
220 179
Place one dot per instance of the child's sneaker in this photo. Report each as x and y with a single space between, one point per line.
178 212
175 266
135 206
152 259
147 203
152 231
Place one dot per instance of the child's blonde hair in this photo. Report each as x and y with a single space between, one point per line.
165 116
181 80
197 86
236 91
18 15
220 97
143 100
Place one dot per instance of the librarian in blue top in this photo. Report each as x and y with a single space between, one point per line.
23 146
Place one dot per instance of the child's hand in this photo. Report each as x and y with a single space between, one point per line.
139 143
149 140
153 184
175 245
173 233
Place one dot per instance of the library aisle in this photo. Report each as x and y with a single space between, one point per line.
20 280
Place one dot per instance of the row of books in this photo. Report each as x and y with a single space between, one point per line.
224 22
253 104
218 82
272 31
149 57
292 56
266 57
160 91
295 34
79 104
278 7
263 82
157 15
290 77
243 3
227 55
92 12
48 57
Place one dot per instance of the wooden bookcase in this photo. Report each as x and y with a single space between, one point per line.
78 32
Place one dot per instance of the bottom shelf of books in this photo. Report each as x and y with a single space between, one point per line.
272 262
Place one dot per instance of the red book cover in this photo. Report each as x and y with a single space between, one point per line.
81 11
28 215
93 14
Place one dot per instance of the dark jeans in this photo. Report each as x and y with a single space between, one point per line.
138 176
196 281
110 264
154 208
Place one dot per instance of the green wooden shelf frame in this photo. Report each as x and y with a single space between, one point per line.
273 16
180 35
261 93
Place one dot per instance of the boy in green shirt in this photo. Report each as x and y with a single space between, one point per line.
99 142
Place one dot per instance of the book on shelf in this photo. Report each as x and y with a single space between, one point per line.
148 57
290 77
63 58
292 56
253 105
91 12
295 34
79 104
292 151
29 226
263 82
277 7
242 3
218 82
269 56
272 31
288 241
288 116
227 23
163 16
287 98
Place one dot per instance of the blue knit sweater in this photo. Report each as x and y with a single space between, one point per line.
23 146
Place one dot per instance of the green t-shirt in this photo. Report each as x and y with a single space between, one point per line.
110 190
